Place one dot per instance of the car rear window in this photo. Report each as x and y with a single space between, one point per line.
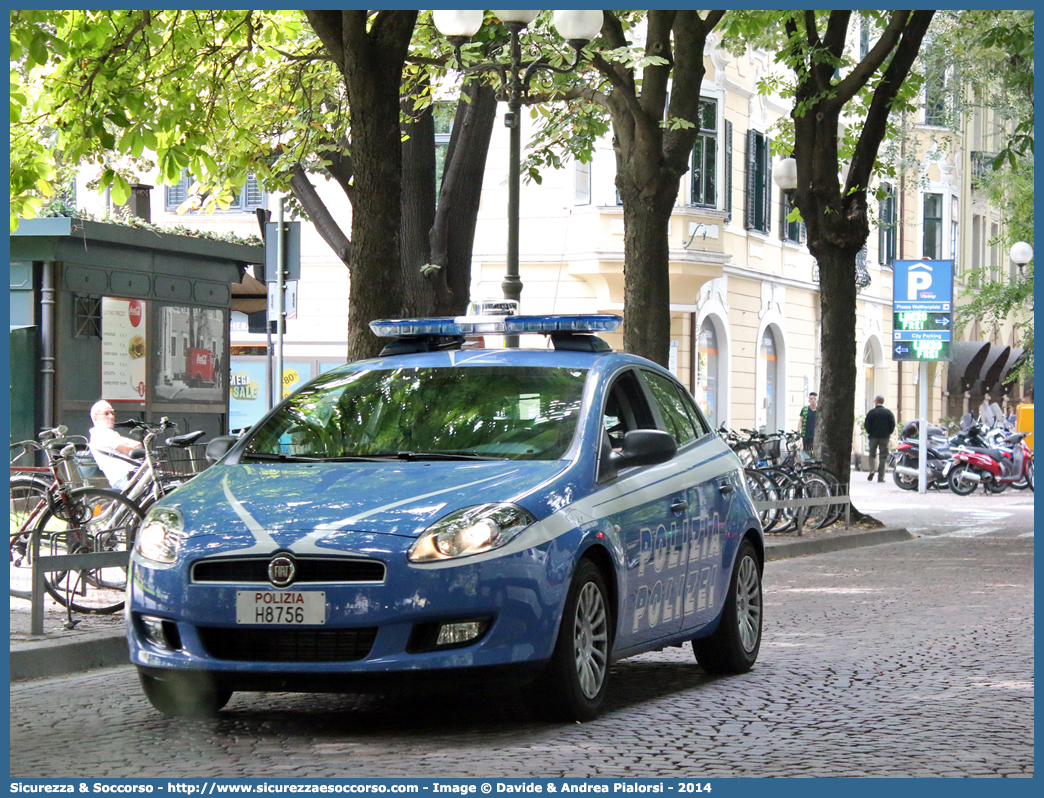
517 413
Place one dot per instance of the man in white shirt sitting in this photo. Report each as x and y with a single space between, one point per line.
105 438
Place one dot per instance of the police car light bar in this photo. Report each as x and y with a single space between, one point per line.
494 325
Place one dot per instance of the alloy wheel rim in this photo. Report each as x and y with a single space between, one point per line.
748 603
591 640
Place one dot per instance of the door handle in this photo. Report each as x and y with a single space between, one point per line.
679 506
724 488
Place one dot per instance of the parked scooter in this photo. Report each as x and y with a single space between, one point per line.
994 467
905 459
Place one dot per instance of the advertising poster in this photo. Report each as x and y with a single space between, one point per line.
246 394
294 376
123 349
191 354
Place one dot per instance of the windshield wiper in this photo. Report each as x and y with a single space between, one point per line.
444 456
281 457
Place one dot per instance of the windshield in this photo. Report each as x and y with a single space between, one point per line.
438 413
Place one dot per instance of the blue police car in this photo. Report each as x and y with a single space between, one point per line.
453 514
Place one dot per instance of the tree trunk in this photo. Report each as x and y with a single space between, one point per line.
834 419
647 280
420 293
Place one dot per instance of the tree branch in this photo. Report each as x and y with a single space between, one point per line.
321 216
864 70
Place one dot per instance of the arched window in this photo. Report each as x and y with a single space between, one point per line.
769 363
869 387
707 372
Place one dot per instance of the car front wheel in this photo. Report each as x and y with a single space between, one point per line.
574 684
181 696
734 645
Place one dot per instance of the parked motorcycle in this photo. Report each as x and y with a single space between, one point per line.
994 467
906 458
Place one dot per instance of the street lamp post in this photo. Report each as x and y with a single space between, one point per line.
578 28
1022 253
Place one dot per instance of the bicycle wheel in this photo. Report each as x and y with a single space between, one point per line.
91 520
834 484
813 486
787 488
762 489
28 492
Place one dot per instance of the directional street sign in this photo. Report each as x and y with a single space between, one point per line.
922 310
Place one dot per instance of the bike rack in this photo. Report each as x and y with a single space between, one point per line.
842 497
62 562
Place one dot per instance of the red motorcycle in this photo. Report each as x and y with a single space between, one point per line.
1011 463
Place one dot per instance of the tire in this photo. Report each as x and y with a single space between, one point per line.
734 645
813 486
95 520
27 493
576 679
992 486
762 489
1029 476
787 487
958 485
184 696
906 483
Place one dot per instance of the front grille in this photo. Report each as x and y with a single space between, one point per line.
287 645
254 570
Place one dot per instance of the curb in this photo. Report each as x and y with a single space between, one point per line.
824 545
62 657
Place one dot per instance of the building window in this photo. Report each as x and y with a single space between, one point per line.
86 316
864 36
932 243
994 252
583 183
791 231
707 372
245 201
769 362
935 95
759 182
705 157
886 230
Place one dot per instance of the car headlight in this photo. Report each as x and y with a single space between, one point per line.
473 530
159 537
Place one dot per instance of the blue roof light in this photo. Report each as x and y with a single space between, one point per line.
494 325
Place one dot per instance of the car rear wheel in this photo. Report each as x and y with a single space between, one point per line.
182 696
734 646
574 684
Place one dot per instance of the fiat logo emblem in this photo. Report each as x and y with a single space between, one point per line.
281 571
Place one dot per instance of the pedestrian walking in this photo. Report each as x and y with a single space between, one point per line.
879 425
104 438
808 422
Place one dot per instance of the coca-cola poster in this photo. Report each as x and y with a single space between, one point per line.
190 355
123 349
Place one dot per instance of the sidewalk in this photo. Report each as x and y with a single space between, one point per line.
98 641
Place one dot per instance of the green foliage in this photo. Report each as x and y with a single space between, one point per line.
217 93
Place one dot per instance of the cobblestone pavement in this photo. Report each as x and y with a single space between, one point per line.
909 659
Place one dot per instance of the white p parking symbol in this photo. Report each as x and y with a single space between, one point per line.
917 281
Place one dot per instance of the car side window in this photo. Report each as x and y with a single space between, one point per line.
625 409
698 421
672 407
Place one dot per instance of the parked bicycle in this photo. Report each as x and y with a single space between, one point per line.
162 466
52 514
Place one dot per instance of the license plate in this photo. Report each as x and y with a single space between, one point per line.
289 607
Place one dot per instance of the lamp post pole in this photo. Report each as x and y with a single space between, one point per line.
512 285
577 28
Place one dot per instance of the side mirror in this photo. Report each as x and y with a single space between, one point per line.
644 447
219 447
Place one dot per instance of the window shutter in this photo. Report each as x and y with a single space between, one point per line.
752 173
174 195
726 200
766 176
253 196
